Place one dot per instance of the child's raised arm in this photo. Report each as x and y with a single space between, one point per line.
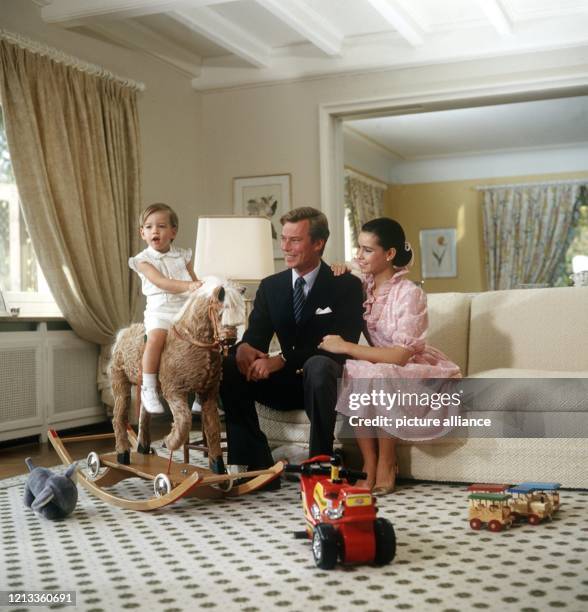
169 285
190 268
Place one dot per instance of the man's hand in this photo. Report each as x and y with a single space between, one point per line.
245 356
262 368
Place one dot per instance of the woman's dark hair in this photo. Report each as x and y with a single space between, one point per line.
390 235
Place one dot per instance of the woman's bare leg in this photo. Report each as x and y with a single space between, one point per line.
386 467
369 451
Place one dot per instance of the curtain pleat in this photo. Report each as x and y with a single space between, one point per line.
74 145
527 231
363 201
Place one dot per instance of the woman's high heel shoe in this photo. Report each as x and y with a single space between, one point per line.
388 488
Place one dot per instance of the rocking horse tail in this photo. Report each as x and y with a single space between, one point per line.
121 390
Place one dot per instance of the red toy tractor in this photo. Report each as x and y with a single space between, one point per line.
341 518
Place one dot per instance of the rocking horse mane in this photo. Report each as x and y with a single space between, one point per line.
194 317
194 313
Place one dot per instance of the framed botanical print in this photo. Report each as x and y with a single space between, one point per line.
267 196
438 253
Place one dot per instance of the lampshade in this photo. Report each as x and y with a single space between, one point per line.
237 248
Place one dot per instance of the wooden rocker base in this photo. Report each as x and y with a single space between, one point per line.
186 480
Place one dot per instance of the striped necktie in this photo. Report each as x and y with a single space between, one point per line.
299 298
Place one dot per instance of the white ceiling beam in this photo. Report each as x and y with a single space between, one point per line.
307 22
400 20
63 11
224 33
497 16
136 36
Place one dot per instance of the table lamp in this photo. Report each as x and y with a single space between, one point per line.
236 248
233 247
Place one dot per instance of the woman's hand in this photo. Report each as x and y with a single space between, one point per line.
192 286
340 268
334 344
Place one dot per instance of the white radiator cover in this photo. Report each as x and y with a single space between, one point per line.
47 379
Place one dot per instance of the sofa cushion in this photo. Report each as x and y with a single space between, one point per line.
289 426
449 316
530 329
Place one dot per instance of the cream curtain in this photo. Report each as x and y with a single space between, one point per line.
527 231
74 144
364 200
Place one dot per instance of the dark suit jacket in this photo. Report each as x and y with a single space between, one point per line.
273 311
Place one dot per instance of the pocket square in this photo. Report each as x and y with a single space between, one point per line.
320 311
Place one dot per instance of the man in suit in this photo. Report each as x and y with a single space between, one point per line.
300 305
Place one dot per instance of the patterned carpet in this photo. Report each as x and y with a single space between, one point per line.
240 554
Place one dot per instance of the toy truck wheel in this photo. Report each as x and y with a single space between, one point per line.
325 546
476 524
533 519
494 526
385 541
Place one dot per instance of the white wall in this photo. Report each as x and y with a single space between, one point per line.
514 163
194 144
274 128
368 157
169 112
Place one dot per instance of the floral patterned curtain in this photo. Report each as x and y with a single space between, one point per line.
364 200
527 231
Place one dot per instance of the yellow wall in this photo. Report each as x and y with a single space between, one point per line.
451 204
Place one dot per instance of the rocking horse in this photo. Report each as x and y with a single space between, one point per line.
190 363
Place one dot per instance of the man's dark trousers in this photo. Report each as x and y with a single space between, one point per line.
315 390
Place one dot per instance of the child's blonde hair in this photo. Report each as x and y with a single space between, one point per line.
158 207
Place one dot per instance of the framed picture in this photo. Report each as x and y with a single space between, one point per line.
438 253
266 196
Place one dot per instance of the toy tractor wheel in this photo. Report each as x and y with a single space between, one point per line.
533 519
325 546
476 524
494 526
93 463
161 485
385 541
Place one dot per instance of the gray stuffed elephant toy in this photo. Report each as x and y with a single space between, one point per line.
50 495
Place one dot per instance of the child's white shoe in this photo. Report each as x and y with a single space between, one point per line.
196 407
150 400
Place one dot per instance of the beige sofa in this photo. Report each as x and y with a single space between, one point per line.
522 333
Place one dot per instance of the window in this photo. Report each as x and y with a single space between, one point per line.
349 247
21 279
579 245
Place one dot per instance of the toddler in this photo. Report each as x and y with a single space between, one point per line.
167 276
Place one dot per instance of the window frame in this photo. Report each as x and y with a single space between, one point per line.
28 303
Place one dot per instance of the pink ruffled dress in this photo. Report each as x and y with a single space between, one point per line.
395 315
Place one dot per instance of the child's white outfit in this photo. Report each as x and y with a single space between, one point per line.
162 307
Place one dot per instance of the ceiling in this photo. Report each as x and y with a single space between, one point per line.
519 126
225 43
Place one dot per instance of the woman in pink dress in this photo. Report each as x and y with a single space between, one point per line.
395 314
